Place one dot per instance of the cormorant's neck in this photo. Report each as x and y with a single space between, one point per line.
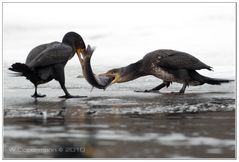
132 71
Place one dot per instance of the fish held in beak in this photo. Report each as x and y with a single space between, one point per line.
104 80
89 51
79 53
98 81
84 54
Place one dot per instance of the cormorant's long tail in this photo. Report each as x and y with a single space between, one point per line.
203 79
22 69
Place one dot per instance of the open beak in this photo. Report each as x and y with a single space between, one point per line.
80 51
114 78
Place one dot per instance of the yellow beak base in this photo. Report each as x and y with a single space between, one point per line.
80 51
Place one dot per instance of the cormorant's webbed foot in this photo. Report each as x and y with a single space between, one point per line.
67 94
147 91
177 93
182 90
70 96
156 89
36 95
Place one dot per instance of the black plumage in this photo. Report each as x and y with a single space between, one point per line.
168 65
176 60
47 61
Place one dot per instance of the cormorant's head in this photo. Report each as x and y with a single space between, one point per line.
118 75
75 41
125 74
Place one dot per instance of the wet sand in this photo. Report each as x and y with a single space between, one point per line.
118 122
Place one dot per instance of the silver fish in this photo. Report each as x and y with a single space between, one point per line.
98 81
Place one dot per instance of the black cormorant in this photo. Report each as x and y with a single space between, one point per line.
168 65
47 61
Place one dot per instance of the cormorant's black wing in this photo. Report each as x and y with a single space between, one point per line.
179 60
35 52
49 54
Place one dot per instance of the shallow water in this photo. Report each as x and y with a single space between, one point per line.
118 122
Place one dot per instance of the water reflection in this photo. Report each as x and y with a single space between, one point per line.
120 123
132 135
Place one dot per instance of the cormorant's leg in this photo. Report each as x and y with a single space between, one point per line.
60 77
164 84
67 94
35 95
182 90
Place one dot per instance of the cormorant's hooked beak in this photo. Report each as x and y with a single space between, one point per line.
115 78
80 51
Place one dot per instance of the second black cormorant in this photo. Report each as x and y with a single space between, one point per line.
47 61
168 65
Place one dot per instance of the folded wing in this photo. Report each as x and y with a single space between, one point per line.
180 60
49 54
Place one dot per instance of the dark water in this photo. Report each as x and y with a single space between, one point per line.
118 122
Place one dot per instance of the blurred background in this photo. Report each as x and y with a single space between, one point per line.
118 122
124 32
